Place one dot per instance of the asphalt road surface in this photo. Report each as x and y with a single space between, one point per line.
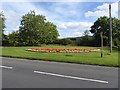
23 73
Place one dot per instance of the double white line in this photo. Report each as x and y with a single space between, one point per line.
6 67
71 77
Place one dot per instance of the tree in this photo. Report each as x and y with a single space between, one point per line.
86 39
14 38
64 41
102 25
116 32
50 33
36 30
3 37
85 35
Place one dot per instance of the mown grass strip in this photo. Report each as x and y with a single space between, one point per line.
91 58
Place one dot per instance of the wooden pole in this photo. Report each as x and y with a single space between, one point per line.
101 34
110 28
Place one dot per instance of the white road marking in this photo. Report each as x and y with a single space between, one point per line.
72 77
6 67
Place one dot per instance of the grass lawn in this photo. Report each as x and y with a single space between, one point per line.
84 58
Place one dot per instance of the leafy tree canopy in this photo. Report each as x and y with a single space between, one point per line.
35 30
3 37
102 25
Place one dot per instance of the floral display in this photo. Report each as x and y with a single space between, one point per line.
61 50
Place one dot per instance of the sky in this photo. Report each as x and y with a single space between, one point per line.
71 18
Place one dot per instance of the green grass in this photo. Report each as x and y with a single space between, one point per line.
84 58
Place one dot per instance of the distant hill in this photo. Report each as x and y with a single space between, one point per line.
74 38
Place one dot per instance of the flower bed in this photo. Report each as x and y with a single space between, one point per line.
61 50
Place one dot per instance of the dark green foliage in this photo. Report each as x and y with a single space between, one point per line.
2 26
64 41
89 41
3 37
5 40
85 40
102 25
14 39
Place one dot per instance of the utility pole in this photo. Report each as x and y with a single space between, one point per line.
101 34
119 9
110 28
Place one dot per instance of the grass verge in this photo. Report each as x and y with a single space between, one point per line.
92 58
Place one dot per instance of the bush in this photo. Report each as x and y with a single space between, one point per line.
85 41
63 41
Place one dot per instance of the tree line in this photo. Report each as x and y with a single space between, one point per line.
36 30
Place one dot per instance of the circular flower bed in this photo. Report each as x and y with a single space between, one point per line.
61 50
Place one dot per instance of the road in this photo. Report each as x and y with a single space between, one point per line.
23 73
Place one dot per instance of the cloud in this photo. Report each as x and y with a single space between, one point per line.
58 0
16 29
65 9
14 11
73 29
119 10
71 25
103 10
54 12
7 32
